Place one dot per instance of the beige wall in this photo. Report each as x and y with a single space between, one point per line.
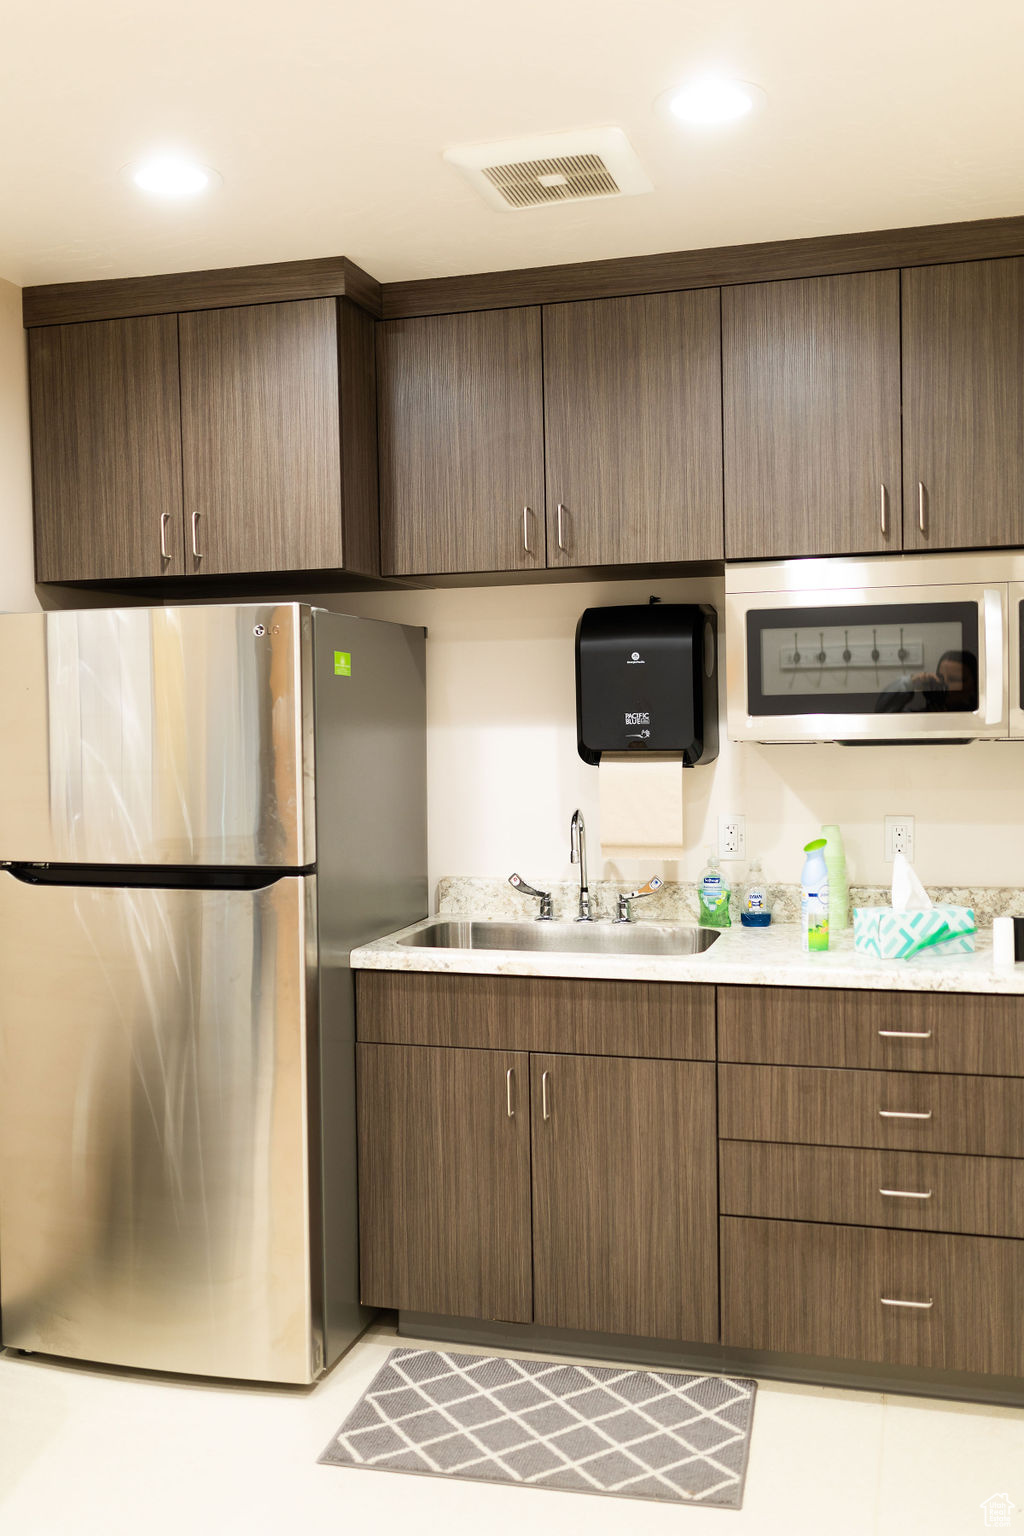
16 570
505 777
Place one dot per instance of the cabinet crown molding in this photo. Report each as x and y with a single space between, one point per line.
120 298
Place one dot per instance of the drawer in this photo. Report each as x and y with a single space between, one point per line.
907 1031
924 1191
537 1013
857 1293
909 1111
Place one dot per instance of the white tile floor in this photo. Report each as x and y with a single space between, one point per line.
87 1452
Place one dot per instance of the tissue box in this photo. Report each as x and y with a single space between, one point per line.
896 935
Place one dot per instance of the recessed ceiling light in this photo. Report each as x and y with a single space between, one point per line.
710 100
170 176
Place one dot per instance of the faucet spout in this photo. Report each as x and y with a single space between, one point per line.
578 855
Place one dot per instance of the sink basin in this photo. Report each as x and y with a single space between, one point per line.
576 938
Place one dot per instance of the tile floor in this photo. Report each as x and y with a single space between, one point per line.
86 1452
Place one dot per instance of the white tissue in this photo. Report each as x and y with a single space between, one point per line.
908 894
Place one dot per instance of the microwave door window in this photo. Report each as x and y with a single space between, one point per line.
879 659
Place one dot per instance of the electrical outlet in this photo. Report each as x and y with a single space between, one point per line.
732 837
899 837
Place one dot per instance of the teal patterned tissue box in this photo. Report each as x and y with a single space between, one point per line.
893 935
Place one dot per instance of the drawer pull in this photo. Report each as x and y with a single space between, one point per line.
892 1301
907 1194
509 1076
905 1034
905 1114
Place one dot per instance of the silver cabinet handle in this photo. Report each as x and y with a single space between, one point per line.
195 536
905 1034
526 530
558 528
921 493
165 518
907 1194
544 1110
509 1076
891 1301
905 1114
884 519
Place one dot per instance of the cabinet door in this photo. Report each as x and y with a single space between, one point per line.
633 429
106 449
625 1196
444 1181
963 404
461 443
811 382
260 436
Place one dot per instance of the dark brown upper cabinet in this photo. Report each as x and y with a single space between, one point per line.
268 465
106 449
461 443
268 484
963 404
811 385
632 409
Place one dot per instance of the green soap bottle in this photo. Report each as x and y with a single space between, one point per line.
713 896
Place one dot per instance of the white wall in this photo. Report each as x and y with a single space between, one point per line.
505 777
16 567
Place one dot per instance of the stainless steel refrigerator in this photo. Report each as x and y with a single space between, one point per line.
203 809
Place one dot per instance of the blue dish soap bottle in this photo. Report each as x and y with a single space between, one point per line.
754 910
713 896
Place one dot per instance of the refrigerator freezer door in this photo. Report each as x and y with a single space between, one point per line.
155 1129
157 736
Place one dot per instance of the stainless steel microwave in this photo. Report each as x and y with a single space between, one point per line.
886 649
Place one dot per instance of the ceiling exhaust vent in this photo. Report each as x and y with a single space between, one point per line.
553 168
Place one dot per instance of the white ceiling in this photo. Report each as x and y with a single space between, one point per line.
327 121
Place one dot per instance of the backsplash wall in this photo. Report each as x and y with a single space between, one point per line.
504 775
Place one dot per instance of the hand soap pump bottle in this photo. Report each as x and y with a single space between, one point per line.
814 897
713 896
754 912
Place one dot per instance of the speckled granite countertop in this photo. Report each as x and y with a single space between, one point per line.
739 957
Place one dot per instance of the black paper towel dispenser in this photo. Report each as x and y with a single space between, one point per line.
647 681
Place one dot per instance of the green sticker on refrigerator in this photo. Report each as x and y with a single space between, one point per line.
342 664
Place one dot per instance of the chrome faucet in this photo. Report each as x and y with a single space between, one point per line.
578 855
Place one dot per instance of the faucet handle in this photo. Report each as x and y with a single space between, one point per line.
544 915
625 915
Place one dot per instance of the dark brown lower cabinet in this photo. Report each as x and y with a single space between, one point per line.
623 1237
444 1181
862 1293
624 1207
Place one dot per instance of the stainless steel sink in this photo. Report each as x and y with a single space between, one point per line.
578 938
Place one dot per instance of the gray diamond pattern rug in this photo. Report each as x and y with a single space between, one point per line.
641 1434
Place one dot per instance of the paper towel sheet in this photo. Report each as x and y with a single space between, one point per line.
641 806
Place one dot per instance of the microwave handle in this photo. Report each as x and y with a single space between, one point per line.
994 688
